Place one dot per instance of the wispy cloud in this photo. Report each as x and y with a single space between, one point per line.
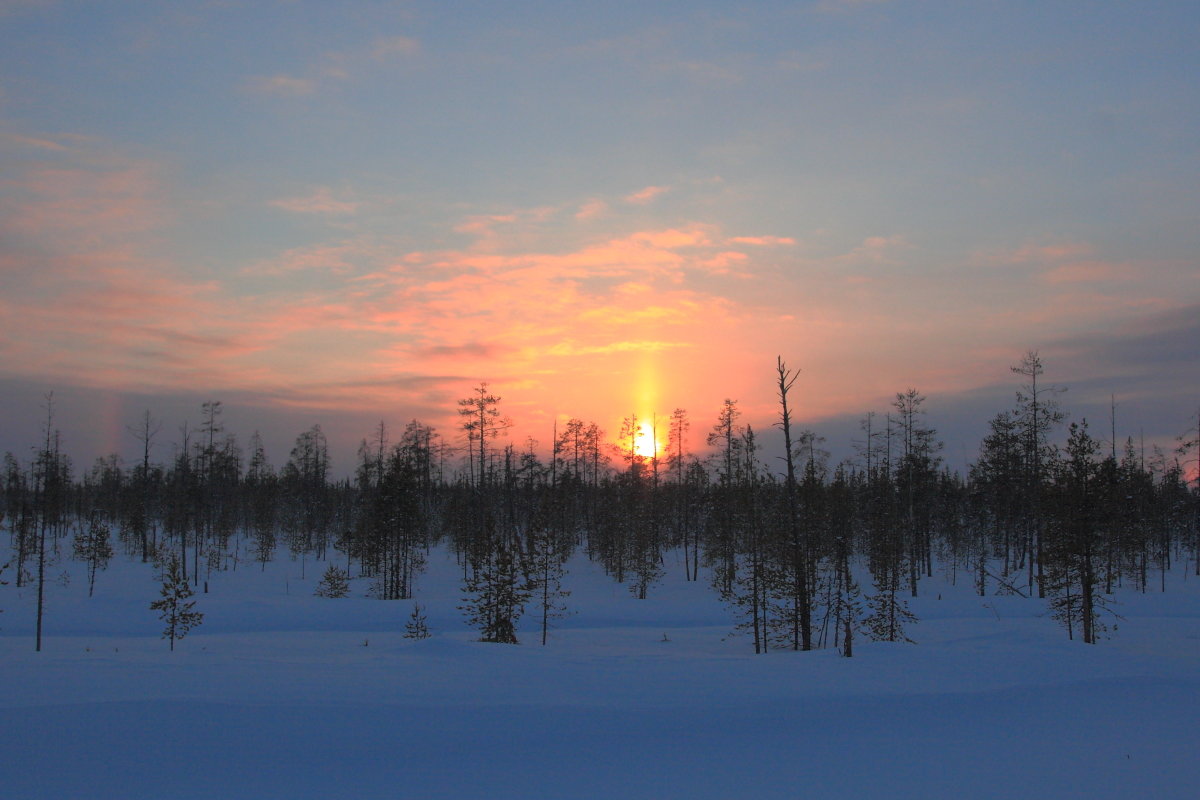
570 349
387 47
279 85
337 259
875 251
78 207
471 350
320 201
544 298
87 301
592 209
1034 253
1077 272
336 65
847 5
763 241
644 196
37 142
14 6
709 73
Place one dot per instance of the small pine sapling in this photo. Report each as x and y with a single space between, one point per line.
416 627
334 583
547 572
93 545
888 618
175 608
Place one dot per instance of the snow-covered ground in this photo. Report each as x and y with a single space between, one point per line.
282 694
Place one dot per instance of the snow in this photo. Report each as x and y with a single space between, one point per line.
282 694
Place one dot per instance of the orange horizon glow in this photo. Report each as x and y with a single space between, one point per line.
562 320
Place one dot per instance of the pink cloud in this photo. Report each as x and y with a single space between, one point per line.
89 305
80 207
874 251
484 225
321 201
644 196
560 317
336 259
763 241
1036 254
471 350
592 209
1091 272
726 263
41 143
673 238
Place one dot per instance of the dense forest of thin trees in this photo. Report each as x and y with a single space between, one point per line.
808 554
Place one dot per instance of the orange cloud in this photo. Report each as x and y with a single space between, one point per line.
570 349
644 196
727 263
763 241
562 317
592 209
672 238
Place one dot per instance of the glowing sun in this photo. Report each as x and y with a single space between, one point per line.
644 444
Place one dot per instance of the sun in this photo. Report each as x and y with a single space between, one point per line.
644 444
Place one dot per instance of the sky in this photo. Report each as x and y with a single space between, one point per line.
341 213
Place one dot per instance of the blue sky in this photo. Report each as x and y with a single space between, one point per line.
323 212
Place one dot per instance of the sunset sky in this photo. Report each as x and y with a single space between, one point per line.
338 213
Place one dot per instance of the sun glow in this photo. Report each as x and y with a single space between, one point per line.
644 444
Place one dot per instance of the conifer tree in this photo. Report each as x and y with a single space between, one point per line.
481 420
889 615
497 592
1072 553
1036 414
93 545
260 490
417 627
845 607
334 583
175 608
547 571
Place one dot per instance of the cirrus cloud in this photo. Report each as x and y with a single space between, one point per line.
644 196
279 85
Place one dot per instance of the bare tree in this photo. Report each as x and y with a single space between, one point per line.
144 433
798 546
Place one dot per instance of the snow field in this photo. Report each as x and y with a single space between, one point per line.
282 694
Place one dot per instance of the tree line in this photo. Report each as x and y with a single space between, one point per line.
807 554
